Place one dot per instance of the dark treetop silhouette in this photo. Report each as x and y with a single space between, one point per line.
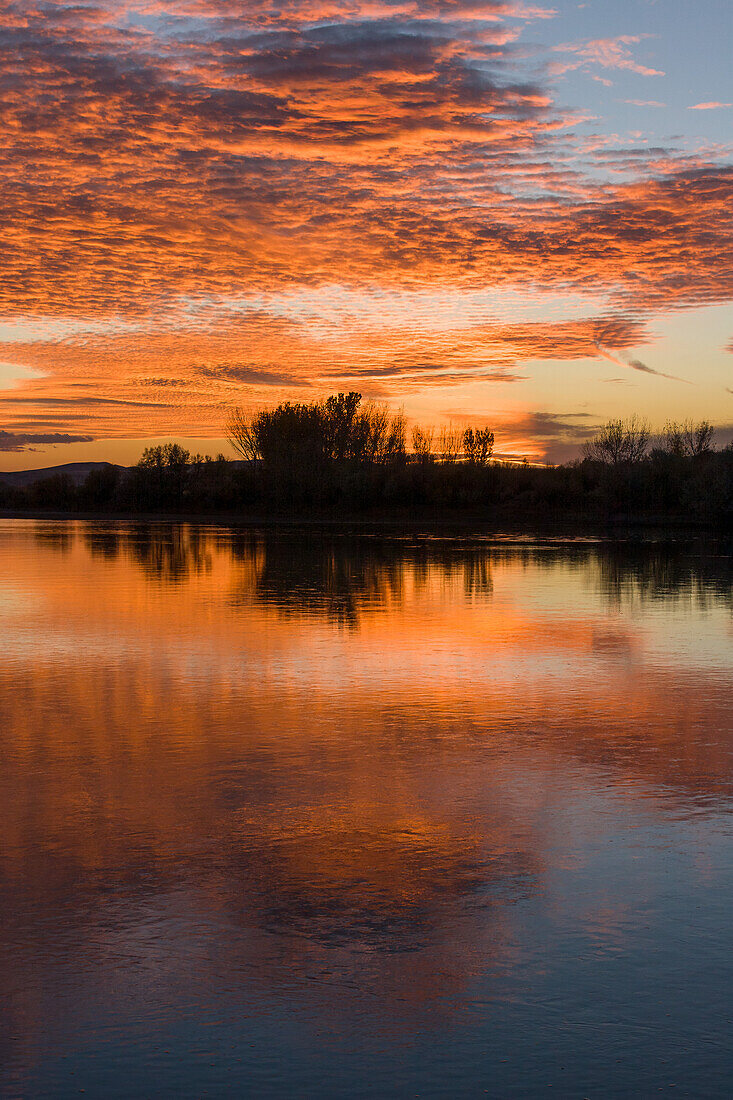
341 455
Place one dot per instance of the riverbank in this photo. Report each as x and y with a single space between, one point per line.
657 491
398 522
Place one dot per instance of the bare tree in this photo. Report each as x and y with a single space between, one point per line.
687 439
619 441
242 433
422 443
450 443
699 437
378 435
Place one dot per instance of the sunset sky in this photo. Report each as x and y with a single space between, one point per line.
480 211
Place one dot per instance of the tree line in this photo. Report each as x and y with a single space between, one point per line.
345 456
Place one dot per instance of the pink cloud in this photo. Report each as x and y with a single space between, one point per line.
608 53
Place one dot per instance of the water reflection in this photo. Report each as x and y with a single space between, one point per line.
385 781
58 535
322 578
303 572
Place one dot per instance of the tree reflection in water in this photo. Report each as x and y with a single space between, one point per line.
305 572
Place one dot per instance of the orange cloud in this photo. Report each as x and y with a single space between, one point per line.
177 185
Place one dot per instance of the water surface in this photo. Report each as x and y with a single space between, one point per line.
292 814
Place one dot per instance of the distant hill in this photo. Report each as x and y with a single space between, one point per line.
76 471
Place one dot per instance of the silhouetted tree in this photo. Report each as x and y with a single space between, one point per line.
170 456
162 474
57 491
99 486
450 443
339 415
422 443
340 453
619 441
477 445
378 435
243 434
687 439
335 430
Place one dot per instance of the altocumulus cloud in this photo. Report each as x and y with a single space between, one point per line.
157 159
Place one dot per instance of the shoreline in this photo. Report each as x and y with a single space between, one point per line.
425 523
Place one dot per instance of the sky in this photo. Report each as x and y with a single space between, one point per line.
479 211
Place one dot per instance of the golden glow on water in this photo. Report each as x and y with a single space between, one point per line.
353 777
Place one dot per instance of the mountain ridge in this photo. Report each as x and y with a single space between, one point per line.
76 471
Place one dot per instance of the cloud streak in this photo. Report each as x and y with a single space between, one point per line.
21 441
636 364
